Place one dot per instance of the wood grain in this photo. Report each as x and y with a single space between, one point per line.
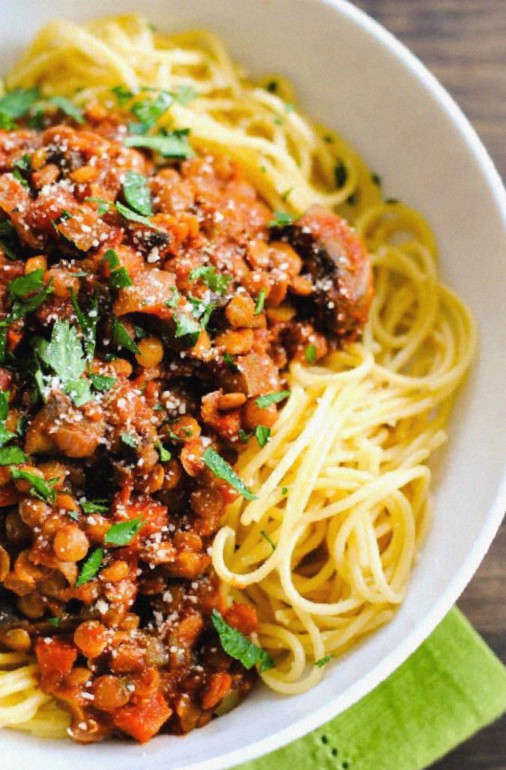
463 42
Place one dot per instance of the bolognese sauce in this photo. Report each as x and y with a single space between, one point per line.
150 303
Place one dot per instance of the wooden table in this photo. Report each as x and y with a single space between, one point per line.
463 42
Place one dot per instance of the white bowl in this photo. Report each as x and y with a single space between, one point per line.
355 77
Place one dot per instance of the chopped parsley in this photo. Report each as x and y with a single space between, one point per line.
262 435
55 622
64 355
118 277
148 111
259 304
66 106
88 324
310 354
12 455
124 532
169 144
90 567
223 470
187 328
376 179
122 337
95 506
129 440
164 454
15 105
210 276
101 382
184 94
323 661
133 216
271 398
281 219
9 242
26 284
239 646
230 362
137 193
39 486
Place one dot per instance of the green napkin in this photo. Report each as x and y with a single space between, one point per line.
447 690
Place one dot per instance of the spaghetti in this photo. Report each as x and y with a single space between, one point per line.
325 552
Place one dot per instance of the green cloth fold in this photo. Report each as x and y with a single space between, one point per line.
452 686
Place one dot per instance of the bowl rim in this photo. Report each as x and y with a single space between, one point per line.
494 516
491 519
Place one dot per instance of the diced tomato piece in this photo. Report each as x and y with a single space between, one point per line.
143 720
55 658
219 686
243 617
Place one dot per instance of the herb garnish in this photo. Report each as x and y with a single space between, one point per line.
118 277
223 470
259 305
129 440
12 455
26 284
95 506
101 382
66 106
122 337
90 567
124 532
15 104
272 398
262 435
310 353
39 486
64 355
164 454
281 219
322 661
214 280
88 324
169 144
239 646
137 193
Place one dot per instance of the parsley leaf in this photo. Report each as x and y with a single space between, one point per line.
12 455
88 324
4 404
262 434
310 354
90 567
67 107
164 454
214 280
137 193
64 352
281 219
149 110
239 646
122 94
5 435
271 398
129 440
122 337
223 470
15 104
9 241
95 506
134 217
168 145
39 486
101 382
322 661
188 328
26 284
23 307
55 622
259 305
124 532
230 362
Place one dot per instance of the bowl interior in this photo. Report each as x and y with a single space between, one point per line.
351 75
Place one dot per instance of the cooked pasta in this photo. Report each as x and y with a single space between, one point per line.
325 551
